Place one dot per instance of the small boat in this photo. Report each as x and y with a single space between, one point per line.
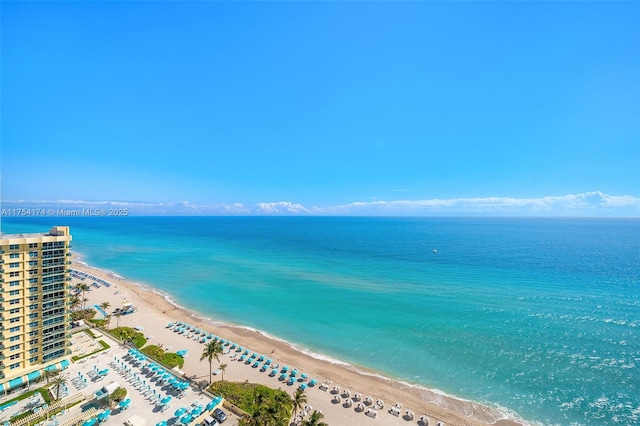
435 251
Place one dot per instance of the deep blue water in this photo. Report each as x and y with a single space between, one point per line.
539 316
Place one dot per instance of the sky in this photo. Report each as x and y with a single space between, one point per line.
349 108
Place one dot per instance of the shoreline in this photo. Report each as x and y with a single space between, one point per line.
162 309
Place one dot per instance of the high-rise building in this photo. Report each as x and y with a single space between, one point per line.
34 304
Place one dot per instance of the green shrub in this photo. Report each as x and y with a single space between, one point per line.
251 396
127 334
118 395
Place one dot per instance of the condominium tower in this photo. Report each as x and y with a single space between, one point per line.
34 304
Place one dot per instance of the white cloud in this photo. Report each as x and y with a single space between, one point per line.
282 207
585 204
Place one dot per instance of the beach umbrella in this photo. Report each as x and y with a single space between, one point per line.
196 411
303 386
124 403
162 423
180 411
186 419
304 376
313 382
211 405
165 400
246 352
285 369
268 362
274 372
283 376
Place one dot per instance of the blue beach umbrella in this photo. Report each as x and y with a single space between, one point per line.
246 352
274 372
283 376
124 403
304 376
162 423
180 411
268 362
196 411
165 400
313 382
285 369
211 405
303 386
261 358
186 419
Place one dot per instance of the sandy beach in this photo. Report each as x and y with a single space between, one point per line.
155 312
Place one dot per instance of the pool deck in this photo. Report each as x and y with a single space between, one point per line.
83 382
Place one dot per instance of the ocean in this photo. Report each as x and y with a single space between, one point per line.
536 316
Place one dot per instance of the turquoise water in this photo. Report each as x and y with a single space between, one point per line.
538 316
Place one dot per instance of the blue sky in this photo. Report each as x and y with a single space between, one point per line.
323 107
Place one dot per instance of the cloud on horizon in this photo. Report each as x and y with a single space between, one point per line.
584 204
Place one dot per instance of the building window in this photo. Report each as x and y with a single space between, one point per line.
33 359
33 281
34 306
33 324
33 333
14 311
33 263
33 245
33 254
14 347
14 301
34 350
14 246
14 265
14 366
14 320
14 283
33 289
14 274
33 315
14 329
14 293
14 338
33 271
33 298
14 256
15 356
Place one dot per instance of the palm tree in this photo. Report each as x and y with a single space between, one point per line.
314 419
108 321
299 400
49 374
118 315
105 305
212 350
222 368
83 287
75 302
58 382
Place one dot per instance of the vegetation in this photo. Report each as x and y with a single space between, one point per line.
314 419
299 400
223 367
168 359
212 350
266 406
58 382
83 314
128 334
83 287
48 374
117 396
